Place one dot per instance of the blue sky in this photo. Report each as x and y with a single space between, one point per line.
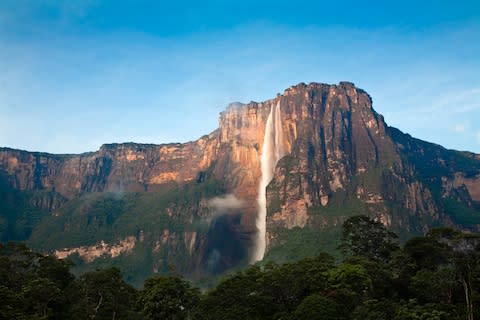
77 74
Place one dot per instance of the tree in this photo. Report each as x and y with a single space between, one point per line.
38 283
375 310
317 307
427 253
168 298
382 276
105 295
288 284
244 295
351 277
413 311
465 257
38 295
447 264
58 271
436 286
9 305
362 236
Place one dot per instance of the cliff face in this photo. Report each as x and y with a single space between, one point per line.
128 167
333 136
340 159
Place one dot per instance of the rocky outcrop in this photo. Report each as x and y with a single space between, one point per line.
115 167
102 249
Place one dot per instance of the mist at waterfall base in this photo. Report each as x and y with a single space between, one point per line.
227 242
272 151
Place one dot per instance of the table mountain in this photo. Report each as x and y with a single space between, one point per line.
275 180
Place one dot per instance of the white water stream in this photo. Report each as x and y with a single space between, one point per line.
272 151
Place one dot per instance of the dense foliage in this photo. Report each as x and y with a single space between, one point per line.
433 277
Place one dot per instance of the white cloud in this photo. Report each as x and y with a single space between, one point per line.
459 128
456 102
226 203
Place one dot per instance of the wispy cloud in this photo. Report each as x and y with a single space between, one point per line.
460 128
458 101
225 204
38 15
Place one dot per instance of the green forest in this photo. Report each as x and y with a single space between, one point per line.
433 277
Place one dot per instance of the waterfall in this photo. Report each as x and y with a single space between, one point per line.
272 151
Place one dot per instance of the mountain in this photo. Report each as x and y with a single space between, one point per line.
274 181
